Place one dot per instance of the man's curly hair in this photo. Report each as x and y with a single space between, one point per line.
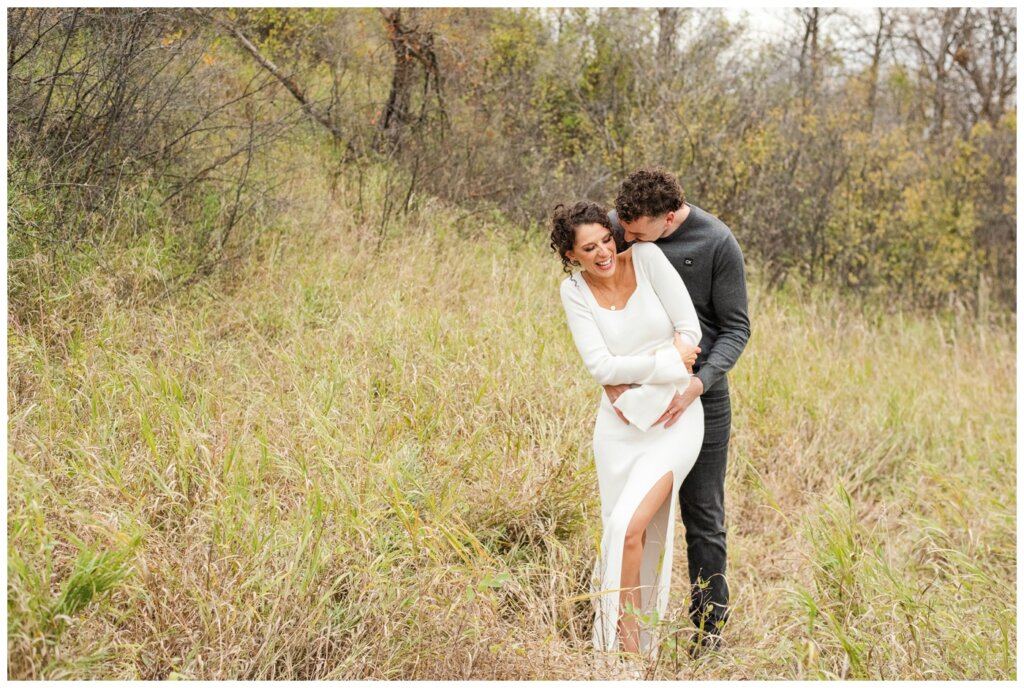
648 192
565 221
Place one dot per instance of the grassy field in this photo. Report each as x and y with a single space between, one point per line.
344 462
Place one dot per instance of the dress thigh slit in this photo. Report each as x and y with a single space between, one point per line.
653 581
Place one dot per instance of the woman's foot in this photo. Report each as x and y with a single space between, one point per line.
629 634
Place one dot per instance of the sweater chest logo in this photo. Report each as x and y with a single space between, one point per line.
688 261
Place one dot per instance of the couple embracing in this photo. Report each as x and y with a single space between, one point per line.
657 304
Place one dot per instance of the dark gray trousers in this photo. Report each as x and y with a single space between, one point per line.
702 503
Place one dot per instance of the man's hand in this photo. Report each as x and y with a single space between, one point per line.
681 402
687 353
613 392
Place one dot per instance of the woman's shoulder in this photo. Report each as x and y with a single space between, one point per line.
644 249
571 284
646 254
571 293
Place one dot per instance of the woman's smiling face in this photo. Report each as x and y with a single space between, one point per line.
594 249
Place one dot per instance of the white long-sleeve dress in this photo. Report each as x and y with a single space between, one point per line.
634 345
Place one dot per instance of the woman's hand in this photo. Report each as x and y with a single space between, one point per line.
614 392
687 353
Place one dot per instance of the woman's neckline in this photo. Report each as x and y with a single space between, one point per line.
629 299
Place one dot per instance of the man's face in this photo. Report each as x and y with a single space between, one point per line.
647 228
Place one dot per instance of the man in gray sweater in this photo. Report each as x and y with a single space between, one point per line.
651 207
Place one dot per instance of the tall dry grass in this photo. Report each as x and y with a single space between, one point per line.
339 462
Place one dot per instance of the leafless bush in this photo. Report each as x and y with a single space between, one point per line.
109 108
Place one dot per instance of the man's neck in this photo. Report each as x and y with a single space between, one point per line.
680 218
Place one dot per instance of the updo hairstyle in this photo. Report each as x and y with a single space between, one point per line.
565 221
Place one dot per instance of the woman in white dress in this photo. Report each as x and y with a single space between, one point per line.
633 323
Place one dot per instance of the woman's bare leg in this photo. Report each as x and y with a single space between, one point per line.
632 553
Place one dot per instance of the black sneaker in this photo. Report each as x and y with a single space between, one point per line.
702 642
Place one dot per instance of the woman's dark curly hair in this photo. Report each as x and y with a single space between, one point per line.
565 221
648 192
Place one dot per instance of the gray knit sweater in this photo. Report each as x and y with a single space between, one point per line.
706 255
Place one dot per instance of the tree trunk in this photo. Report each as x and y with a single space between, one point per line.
396 117
668 26
881 38
412 46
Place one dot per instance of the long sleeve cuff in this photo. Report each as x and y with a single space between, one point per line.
644 404
708 375
669 365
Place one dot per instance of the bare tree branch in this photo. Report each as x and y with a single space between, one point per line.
288 82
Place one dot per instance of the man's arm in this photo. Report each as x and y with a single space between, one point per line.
729 296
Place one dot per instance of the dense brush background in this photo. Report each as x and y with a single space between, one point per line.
290 391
